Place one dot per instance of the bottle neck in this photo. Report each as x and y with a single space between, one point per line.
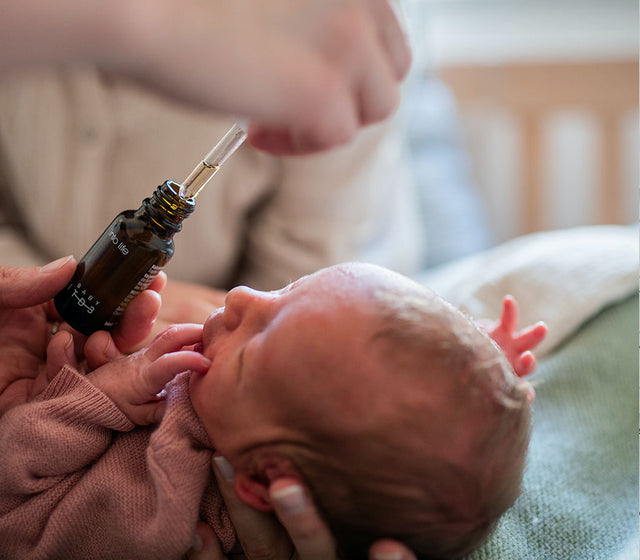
166 210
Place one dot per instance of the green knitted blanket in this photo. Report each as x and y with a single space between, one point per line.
580 494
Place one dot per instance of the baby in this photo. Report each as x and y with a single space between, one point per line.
403 418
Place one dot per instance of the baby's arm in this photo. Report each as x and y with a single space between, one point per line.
517 346
47 440
133 382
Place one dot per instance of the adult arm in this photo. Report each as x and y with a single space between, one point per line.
349 57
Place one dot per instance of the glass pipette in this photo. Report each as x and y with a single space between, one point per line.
210 164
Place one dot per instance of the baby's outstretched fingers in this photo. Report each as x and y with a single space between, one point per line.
530 337
509 316
524 364
166 367
60 352
174 338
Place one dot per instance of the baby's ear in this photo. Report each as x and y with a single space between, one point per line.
253 492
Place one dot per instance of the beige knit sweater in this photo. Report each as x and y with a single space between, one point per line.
77 147
79 480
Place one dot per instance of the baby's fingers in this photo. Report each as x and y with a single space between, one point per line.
509 316
530 337
173 339
165 368
525 364
60 352
149 413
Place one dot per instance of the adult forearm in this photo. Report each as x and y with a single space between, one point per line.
39 32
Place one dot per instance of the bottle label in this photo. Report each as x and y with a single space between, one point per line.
83 297
120 245
142 285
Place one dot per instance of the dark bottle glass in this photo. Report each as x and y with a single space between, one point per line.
123 261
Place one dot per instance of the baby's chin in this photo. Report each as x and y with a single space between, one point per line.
196 390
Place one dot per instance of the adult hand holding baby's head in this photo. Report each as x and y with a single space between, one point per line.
298 532
133 382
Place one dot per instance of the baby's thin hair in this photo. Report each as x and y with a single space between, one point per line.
441 506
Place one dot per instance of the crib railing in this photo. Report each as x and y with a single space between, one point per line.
600 99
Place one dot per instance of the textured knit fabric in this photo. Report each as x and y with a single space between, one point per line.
79 480
78 147
562 277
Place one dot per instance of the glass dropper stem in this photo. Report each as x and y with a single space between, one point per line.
210 164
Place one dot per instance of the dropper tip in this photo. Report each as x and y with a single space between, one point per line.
210 164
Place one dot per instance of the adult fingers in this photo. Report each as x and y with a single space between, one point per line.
159 282
100 349
392 36
138 320
205 544
259 533
297 513
386 549
23 287
174 338
276 141
377 100
60 352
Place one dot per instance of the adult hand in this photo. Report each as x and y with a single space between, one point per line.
27 319
308 74
300 533
25 327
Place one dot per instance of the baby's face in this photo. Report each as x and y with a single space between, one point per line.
283 359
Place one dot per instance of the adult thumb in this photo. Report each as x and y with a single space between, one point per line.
23 287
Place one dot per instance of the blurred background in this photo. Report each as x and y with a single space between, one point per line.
523 117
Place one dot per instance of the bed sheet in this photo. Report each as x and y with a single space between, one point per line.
580 491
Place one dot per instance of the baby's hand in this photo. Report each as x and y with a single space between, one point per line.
517 346
134 381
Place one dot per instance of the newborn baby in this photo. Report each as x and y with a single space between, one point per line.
403 418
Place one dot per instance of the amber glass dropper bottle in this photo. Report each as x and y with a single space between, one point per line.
135 246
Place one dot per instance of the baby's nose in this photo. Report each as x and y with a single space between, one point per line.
243 302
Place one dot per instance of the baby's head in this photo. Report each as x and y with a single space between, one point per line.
402 417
